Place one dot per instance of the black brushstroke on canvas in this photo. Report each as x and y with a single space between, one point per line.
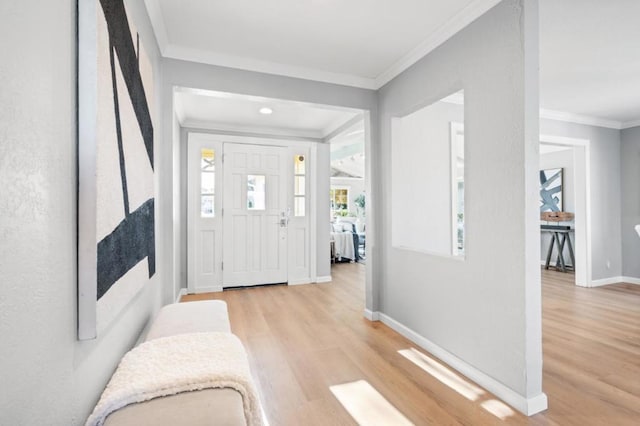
116 105
131 241
134 237
120 37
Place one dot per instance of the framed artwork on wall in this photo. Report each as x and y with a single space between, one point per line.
116 193
551 186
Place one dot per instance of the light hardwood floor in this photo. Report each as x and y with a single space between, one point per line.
303 339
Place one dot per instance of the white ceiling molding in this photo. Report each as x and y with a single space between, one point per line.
630 124
455 98
343 127
467 15
157 22
315 136
580 119
266 67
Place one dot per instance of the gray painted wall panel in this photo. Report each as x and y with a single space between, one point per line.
630 202
485 310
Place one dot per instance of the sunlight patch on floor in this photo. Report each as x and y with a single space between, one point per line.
443 374
498 408
367 406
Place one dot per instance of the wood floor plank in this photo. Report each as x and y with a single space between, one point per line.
303 339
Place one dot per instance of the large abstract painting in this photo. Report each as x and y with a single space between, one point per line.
116 226
551 190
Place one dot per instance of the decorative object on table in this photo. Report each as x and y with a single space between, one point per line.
551 186
557 216
116 228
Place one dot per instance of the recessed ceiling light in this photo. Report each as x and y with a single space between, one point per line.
266 110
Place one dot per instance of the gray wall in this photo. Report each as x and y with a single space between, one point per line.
557 160
606 239
210 77
486 309
630 204
47 375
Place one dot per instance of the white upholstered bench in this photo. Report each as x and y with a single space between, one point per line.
222 406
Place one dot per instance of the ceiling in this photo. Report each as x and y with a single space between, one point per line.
360 43
347 152
590 59
589 49
233 112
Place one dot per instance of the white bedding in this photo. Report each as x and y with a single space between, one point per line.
344 245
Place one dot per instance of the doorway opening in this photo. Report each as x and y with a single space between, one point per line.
348 195
258 213
566 241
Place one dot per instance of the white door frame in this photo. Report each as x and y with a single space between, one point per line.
582 189
194 145
310 146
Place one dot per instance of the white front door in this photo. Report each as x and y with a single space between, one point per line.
204 223
255 216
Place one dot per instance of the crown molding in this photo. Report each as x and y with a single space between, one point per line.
580 119
157 22
315 136
266 67
467 15
630 124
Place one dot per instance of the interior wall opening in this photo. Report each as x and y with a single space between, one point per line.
564 207
298 130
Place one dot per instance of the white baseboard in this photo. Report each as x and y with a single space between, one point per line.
299 281
606 281
526 406
324 279
182 292
631 280
371 316
211 289
551 263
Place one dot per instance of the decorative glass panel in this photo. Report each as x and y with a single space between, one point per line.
207 162
256 192
208 183
299 185
206 205
299 168
299 206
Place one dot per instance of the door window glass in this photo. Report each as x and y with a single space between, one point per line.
256 192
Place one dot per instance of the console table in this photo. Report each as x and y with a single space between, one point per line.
560 235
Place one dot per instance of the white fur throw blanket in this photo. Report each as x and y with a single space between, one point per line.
180 363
